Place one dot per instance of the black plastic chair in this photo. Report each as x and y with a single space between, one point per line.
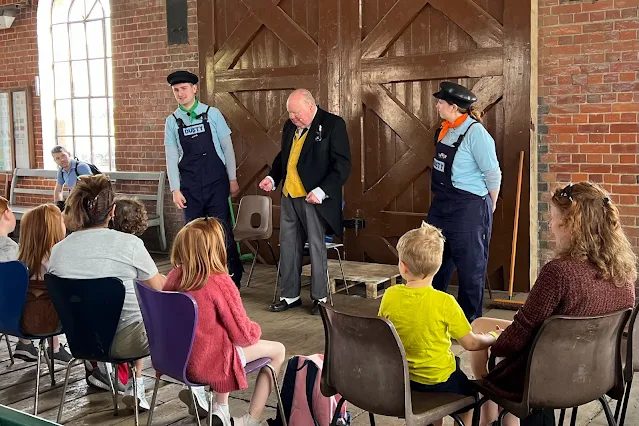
89 310
572 361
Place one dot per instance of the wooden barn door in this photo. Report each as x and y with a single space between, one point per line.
376 63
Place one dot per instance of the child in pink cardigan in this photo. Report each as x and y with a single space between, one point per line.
225 338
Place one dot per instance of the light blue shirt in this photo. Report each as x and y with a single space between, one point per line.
221 141
475 168
70 178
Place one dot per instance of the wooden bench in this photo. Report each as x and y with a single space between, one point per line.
155 218
373 276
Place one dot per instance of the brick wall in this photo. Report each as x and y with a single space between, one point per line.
19 66
589 104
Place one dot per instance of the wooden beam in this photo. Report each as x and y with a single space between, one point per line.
275 132
391 224
488 91
485 30
250 128
390 27
285 28
399 118
266 78
517 125
235 44
534 105
435 66
206 47
249 168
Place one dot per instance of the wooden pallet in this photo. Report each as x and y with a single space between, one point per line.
372 277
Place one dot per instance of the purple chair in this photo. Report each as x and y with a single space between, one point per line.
170 319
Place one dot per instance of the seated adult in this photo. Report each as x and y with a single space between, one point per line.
593 273
95 251
69 170
41 228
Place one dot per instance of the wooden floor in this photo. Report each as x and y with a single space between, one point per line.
300 332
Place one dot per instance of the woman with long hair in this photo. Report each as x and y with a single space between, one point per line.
593 273
95 251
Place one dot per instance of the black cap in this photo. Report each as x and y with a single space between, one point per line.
181 76
456 94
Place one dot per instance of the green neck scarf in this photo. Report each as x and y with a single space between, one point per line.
191 110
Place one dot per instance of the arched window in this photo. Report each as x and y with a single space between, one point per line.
76 84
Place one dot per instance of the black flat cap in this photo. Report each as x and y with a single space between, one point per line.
182 76
456 94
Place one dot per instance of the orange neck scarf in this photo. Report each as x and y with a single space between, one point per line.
447 125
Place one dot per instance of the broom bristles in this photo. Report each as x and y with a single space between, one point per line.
506 304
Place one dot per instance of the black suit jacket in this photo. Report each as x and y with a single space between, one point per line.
325 161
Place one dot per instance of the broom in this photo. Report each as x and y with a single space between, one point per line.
510 303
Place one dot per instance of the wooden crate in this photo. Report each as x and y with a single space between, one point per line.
373 277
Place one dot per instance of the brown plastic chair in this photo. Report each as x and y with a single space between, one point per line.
365 362
573 361
251 205
631 364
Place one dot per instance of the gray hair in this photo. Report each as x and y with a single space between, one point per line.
304 94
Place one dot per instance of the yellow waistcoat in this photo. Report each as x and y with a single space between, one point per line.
293 185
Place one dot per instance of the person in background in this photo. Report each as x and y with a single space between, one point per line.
465 183
8 247
200 161
41 228
69 170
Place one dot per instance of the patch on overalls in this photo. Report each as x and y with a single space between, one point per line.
438 165
193 130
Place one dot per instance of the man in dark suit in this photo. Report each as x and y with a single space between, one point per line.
313 165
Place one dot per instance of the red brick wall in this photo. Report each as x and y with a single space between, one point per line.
19 66
589 103
141 61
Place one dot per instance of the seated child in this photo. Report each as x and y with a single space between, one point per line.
427 319
42 227
225 338
130 216
8 247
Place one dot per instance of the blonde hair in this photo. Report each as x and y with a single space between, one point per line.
472 111
41 230
199 250
593 223
89 203
421 250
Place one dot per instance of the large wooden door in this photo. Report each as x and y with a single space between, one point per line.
377 65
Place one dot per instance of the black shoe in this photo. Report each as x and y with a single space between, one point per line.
315 307
282 305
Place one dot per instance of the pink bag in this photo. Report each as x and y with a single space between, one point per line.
304 404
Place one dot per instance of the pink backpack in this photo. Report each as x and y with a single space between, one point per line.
304 404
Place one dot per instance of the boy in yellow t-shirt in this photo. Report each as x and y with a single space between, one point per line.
427 319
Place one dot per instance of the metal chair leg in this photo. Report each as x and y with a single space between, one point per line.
500 419
209 415
196 406
457 420
622 419
154 398
277 281
72 362
50 362
135 393
573 417
257 251
114 393
6 337
371 418
338 409
328 287
562 415
339 258
607 412
279 396
270 247
39 349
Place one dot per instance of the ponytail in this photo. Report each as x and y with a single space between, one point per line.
473 112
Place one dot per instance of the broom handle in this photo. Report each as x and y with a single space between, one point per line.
513 250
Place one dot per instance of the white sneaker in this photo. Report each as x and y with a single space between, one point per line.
219 418
129 400
200 397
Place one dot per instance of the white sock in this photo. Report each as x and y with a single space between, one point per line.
290 300
245 420
224 408
323 299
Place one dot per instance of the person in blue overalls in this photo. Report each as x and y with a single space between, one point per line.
200 161
465 183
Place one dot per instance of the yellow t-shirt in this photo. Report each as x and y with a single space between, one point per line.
425 319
